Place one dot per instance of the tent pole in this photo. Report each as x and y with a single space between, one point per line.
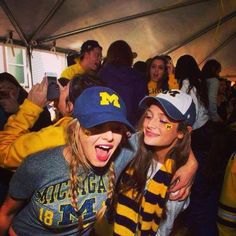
29 54
14 22
47 18
119 20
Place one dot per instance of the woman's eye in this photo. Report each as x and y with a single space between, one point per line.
163 121
118 130
147 116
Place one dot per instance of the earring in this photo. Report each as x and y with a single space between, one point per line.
128 134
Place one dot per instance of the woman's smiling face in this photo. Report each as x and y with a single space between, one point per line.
159 130
100 142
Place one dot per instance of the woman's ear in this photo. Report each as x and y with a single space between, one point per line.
69 107
190 128
180 135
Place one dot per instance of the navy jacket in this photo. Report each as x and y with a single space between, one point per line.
129 84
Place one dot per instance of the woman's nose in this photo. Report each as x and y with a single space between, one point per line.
152 124
108 135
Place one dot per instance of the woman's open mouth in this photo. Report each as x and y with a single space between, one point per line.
103 151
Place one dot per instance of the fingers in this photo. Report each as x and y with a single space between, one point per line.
40 86
181 194
44 82
38 93
61 87
43 85
178 182
34 88
59 84
174 179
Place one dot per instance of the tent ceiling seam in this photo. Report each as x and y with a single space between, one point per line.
119 20
201 32
14 22
45 21
217 49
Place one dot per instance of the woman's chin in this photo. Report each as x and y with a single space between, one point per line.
98 163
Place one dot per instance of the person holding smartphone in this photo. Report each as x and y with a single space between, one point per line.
12 95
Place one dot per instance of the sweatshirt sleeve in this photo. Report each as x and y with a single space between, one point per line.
24 119
16 142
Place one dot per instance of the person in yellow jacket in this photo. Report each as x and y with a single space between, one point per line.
89 59
17 142
227 204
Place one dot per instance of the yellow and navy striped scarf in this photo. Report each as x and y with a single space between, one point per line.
131 218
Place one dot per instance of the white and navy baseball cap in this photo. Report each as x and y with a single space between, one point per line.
178 105
97 105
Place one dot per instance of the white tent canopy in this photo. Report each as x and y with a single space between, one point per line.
203 28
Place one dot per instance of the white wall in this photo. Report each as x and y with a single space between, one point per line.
1 59
43 61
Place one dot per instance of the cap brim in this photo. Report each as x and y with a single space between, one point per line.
170 110
88 122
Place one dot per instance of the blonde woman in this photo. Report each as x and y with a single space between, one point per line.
61 190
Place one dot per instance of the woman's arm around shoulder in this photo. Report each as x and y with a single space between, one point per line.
183 179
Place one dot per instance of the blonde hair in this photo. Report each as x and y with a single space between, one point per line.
110 191
77 158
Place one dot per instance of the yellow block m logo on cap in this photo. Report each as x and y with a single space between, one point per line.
107 99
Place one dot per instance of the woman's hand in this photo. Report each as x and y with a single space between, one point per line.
183 179
38 93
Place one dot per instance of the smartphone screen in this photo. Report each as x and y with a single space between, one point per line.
53 89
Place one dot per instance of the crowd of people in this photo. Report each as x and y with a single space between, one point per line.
145 148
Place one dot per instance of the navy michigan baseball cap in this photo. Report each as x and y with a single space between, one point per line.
178 105
98 105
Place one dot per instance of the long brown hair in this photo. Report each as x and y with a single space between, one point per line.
145 154
187 68
163 83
